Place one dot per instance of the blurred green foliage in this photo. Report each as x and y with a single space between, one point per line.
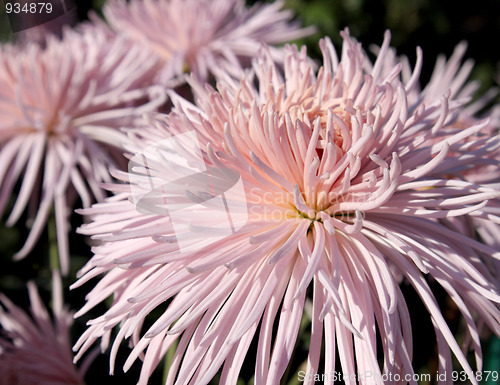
5 31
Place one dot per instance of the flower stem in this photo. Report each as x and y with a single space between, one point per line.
169 357
53 250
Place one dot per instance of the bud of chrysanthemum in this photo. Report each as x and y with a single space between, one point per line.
347 189
61 108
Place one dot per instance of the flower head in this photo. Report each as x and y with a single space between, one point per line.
37 350
202 36
346 190
61 108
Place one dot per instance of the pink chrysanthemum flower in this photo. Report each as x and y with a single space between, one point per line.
61 108
37 350
450 77
453 76
202 36
345 193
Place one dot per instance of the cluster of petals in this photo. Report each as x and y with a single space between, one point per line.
449 81
61 107
349 184
451 75
202 36
36 350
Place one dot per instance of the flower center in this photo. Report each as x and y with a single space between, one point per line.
338 131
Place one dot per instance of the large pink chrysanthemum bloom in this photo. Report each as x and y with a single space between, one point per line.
336 187
202 36
61 108
37 350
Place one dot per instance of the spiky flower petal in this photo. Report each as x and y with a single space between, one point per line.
346 192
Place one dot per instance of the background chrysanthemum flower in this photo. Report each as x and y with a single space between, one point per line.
202 36
36 350
61 108
450 77
453 75
347 190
